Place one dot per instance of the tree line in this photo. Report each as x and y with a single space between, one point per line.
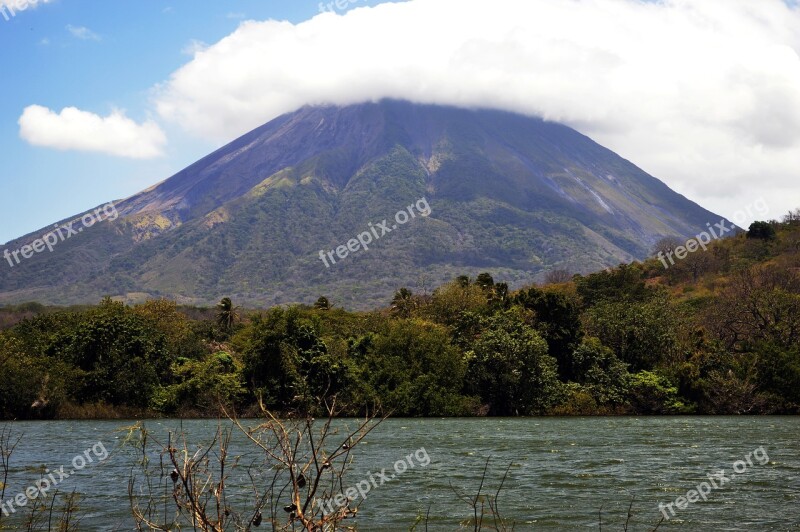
718 333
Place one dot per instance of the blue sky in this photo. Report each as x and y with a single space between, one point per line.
102 99
126 49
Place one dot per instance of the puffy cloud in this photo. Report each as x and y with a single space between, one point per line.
704 95
73 129
83 33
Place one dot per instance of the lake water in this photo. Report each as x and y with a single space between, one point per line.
565 470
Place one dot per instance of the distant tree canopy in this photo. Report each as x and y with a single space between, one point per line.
557 276
761 231
322 304
718 338
624 283
792 217
485 281
558 320
509 367
666 244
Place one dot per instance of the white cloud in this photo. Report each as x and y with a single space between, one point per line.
83 33
73 129
704 95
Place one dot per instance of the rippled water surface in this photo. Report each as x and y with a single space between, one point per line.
566 473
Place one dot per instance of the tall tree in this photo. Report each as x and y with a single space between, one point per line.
558 320
485 281
463 280
761 231
227 314
509 367
666 244
322 303
403 303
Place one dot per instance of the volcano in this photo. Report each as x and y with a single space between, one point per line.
279 215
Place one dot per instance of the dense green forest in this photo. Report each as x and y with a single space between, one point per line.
717 332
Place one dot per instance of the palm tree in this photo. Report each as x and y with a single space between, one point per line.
485 281
227 315
500 296
403 302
